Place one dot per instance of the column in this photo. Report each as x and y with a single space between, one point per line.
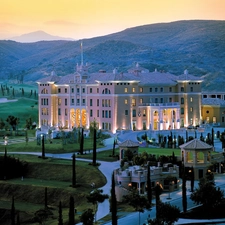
161 119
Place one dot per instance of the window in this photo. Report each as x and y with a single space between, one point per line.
144 112
191 89
126 112
59 111
191 109
59 101
65 101
161 100
65 90
97 113
97 90
161 89
78 90
133 102
103 113
125 101
170 89
109 114
182 89
134 113
106 113
133 89
78 101
83 101
90 102
181 100
141 100
72 90
150 89
59 90
72 101
66 112
91 113
182 111
170 100
83 90
97 102
156 100
141 89
156 89
125 90
191 99
103 103
222 119
214 119
90 90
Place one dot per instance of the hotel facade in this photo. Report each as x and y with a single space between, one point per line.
136 100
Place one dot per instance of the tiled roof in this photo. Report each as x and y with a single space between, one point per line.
52 78
129 143
213 101
196 145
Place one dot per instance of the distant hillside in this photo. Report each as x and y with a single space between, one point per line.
38 36
196 45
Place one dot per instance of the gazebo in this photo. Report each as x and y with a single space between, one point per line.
128 145
196 153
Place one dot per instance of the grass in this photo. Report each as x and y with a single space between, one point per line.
56 175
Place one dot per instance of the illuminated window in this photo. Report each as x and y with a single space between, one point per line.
191 99
141 89
144 112
133 89
125 90
125 101
191 109
59 101
133 102
141 100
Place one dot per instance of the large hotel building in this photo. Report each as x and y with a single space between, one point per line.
135 100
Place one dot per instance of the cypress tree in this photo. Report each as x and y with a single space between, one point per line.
82 142
13 212
18 219
212 137
46 198
192 179
74 171
184 192
113 202
43 147
114 146
71 211
60 220
149 185
94 147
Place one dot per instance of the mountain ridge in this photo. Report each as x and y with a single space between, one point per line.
38 36
196 45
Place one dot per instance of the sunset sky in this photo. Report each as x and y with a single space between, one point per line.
90 18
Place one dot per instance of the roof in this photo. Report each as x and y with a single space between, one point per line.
129 143
51 78
196 145
213 101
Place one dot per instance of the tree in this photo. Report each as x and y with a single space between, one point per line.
113 202
43 147
13 121
222 139
138 202
158 191
207 194
18 219
192 179
114 147
60 220
149 186
96 197
184 191
87 218
94 148
71 212
82 141
46 198
13 212
168 214
74 171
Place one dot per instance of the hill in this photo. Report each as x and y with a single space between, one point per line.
196 45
